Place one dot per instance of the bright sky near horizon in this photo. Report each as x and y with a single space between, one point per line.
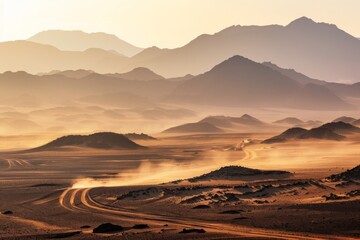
166 23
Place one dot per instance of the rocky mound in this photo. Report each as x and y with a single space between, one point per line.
108 228
349 175
141 136
198 127
240 173
103 140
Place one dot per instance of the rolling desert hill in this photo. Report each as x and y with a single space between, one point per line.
240 173
80 41
341 127
328 131
345 119
301 133
198 127
102 140
292 46
234 82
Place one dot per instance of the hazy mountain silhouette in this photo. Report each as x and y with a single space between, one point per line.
295 122
340 89
239 81
245 123
313 96
345 119
59 88
198 127
290 121
231 122
103 140
319 50
80 73
119 99
140 73
34 58
291 73
80 41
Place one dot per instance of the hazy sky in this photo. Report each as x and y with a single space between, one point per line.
166 23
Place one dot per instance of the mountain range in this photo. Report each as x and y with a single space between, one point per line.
319 50
236 82
239 81
80 41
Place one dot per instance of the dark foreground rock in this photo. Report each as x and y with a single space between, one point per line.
108 228
192 230
7 212
201 207
140 226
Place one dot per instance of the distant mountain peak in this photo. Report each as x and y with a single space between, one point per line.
140 73
302 22
233 62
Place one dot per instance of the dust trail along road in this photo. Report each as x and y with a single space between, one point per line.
81 201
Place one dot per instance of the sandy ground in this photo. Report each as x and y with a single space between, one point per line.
37 188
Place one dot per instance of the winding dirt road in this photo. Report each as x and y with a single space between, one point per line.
80 200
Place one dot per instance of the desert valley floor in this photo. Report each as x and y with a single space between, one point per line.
48 194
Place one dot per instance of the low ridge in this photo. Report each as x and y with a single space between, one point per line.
240 173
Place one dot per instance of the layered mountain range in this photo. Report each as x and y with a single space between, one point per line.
319 50
223 69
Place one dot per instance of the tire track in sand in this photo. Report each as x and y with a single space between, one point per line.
88 205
